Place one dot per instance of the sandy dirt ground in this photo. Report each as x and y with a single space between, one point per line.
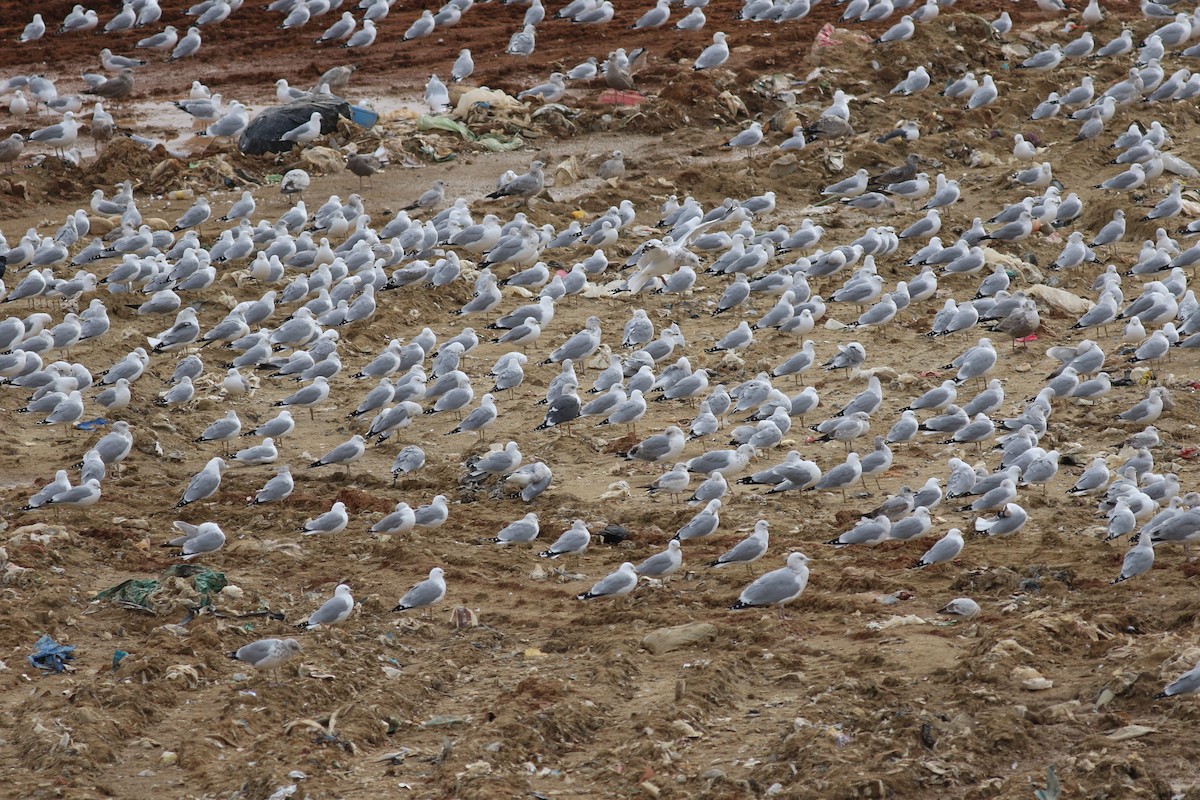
862 691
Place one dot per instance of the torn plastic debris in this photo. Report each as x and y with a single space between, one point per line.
492 99
264 133
138 593
616 97
51 656
430 123
492 141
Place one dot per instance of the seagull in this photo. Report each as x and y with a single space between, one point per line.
572 542
945 549
266 653
334 610
663 564
520 531
616 584
334 520
749 550
714 55
424 594
778 586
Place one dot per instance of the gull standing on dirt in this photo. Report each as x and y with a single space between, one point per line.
945 549
463 67
777 587
294 181
197 540
749 550
334 520
1138 560
523 42
714 55
432 515
701 525
1187 683
189 45
308 397
665 446
401 520
334 610
746 140
525 185
963 607
222 430
266 653
572 542
278 488
520 531
265 453
663 564
616 584
673 482
204 484
345 453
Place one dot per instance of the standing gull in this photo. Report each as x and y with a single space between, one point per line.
198 539
945 549
777 587
334 610
424 594
204 484
616 584
714 55
266 653
520 531
749 550
334 520
663 564
277 488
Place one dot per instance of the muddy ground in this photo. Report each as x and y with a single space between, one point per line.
862 691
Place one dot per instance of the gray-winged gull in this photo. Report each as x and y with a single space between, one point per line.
615 584
571 542
777 587
334 610
424 594
334 520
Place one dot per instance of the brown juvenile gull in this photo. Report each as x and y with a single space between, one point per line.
115 88
336 78
899 174
1022 322
829 127
11 149
364 165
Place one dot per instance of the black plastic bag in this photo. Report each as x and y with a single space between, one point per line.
263 133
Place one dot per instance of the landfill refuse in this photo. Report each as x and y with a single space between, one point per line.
50 655
263 134
139 593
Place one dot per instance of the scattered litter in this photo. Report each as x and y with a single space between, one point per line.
895 622
1130 732
139 594
264 133
51 656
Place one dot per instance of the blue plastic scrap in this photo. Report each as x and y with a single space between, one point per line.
50 655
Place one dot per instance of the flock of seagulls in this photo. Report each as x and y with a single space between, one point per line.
710 422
